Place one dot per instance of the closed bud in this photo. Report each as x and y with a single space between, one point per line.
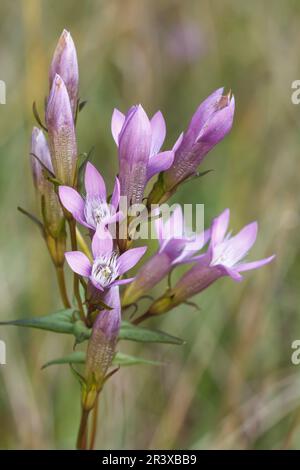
102 344
51 207
64 63
61 129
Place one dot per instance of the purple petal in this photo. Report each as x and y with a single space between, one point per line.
219 227
230 272
121 282
94 183
102 242
178 143
254 264
158 127
160 162
219 125
203 113
117 122
117 217
72 201
115 198
130 258
159 226
79 263
174 227
239 245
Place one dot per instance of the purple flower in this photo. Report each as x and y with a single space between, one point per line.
61 130
224 257
175 248
107 265
208 126
94 209
64 63
139 141
102 344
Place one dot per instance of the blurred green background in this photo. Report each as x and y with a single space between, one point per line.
232 385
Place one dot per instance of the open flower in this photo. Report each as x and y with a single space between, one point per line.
139 141
224 257
176 247
94 209
107 265
209 125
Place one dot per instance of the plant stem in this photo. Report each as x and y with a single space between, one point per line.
82 433
62 286
72 226
142 318
94 424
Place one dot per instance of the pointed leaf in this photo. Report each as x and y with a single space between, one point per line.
146 335
59 322
120 359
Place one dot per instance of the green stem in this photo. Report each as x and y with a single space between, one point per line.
62 286
82 433
72 227
94 424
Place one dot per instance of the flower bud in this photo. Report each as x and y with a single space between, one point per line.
62 137
51 207
209 125
101 347
64 63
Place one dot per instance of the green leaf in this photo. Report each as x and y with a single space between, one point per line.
146 335
59 322
120 359
66 321
76 357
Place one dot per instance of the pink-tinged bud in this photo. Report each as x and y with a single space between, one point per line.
62 137
211 122
51 208
39 153
101 347
64 63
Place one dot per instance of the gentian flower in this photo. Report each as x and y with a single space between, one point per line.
175 248
107 265
224 257
209 125
64 63
139 141
94 209
61 130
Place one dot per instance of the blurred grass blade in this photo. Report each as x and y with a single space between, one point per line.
120 359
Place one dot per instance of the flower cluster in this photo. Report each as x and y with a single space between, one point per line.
101 260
